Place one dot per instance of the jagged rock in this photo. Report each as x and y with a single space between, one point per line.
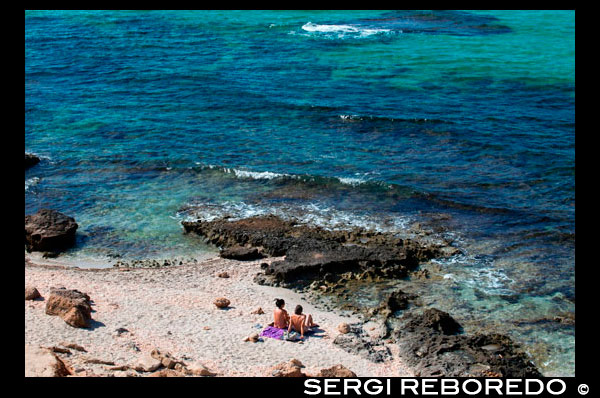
99 361
118 368
336 371
75 318
42 362
165 358
222 302
30 160
49 230
292 368
311 252
434 319
394 301
223 275
73 346
258 311
196 369
59 350
433 344
357 342
72 306
147 364
166 373
31 293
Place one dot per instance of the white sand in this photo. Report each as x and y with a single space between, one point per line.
168 308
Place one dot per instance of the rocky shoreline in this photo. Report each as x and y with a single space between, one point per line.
330 265
324 262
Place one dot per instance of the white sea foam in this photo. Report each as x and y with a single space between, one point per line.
269 175
342 30
31 182
477 273
311 213
351 181
257 175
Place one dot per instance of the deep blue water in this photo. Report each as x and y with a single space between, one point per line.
376 118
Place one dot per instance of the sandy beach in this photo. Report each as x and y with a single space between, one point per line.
171 309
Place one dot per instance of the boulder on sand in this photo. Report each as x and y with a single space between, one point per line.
293 368
71 305
31 293
147 364
49 231
343 328
221 302
42 362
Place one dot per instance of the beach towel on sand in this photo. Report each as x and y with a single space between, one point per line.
273 332
278 334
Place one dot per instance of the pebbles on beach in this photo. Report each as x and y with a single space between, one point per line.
172 309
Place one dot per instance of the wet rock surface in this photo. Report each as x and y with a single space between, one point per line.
336 265
432 343
357 341
49 231
313 252
30 160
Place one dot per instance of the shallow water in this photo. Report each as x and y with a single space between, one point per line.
339 118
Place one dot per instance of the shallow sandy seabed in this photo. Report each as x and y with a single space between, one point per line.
172 309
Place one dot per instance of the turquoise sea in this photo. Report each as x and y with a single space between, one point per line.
377 118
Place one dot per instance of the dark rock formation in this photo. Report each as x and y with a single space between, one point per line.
357 341
49 230
431 344
30 160
241 253
312 252
394 301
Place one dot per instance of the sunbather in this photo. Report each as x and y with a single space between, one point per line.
301 322
281 318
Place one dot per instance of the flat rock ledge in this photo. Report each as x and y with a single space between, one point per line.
312 253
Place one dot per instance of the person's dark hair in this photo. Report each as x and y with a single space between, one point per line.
279 302
298 310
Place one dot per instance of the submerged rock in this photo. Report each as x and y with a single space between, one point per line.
49 230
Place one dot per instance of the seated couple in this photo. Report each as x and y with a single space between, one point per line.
298 321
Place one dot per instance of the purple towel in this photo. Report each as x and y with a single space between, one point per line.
273 332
